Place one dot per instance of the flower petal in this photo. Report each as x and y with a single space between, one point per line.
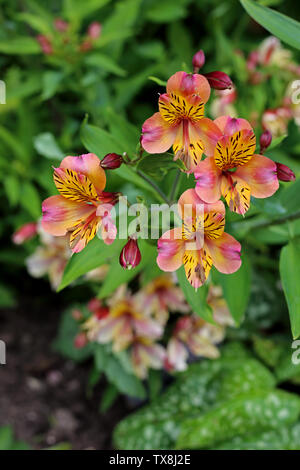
60 214
188 147
260 174
157 134
209 134
83 233
197 265
170 250
225 252
208 180
89 165
235 150
229 125
175 107
185 84
236 193
74 186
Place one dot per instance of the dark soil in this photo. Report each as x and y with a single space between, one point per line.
43 396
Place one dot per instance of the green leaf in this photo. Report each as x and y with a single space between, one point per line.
94 255
105 62
76 10
195 298
159 165
51 81
46 145
238 282
101 142
108 398
277 141
290 275
36 22
249 413
12 188
284 27
7 297
20 45
122 130
158 81
30 200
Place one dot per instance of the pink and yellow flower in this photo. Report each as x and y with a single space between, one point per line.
125 321
146 354
161 296
180 121
192 335
201 241
233 170
82 206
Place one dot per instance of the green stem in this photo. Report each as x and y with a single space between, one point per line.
161 194
174 187
282 220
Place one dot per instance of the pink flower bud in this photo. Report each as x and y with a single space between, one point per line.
198 60
45 44
76 314
86 45
24 233
218 80
265 140
61 25
111 161
94 30
80 340
130 256
284 173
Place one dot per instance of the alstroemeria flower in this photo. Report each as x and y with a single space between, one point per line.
161 296
49 258
192 335
180 121
82 206
182 245
233 170
125 321
146 354
216 301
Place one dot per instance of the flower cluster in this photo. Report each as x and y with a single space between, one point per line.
139 323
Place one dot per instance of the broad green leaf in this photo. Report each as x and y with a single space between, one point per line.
122 130
30 200
101 142
157 166
12 188
77 9
51 81
195 298
92 256
238 282
105 62
20 45
108 398
46 145
277 141
285 28
36 22
248 413
7 297
286 369
290 275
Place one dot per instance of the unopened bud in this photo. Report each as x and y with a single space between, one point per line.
198 60
111 161
61 25
94 30
219 80
284 173
80 340
265 140
130 256
45 44
24 233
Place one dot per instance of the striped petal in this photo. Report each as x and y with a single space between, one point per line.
209 134
229 125
208 180
84 232
235 150
60 214
260 175
157 134
170 250
74 186
185 84
236 193
88 165
225 253
197 265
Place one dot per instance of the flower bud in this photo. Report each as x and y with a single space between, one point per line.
45 44
198 60
86 45
24 233
111 161
265 140
80 340
130 256
218 80
284 173
61 25
94 30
